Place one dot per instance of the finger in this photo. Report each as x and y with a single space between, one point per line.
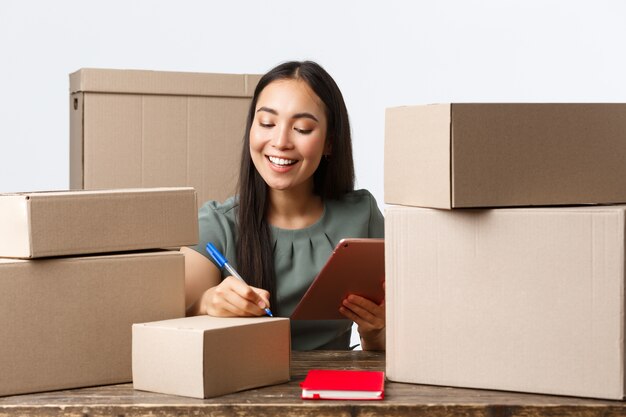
368 304
371 313
366 330
355 317
364 327
228 296
223 308
363 313
376 309
246 292
362 302
218 306
214 302
349 314
244 306
237 308
265 296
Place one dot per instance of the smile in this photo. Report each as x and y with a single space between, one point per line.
281 162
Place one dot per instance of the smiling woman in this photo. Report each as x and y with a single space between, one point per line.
296 200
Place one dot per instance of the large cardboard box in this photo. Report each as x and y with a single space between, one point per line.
207 356
132 128
508 299
500 155
67 322
54 223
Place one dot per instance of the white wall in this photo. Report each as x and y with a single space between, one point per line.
382 54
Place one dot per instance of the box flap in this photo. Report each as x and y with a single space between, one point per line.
14 224
10 261
167 360
79 193
97 80
417 155
76 141
207 323
106 257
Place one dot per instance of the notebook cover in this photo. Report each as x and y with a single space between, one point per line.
343 382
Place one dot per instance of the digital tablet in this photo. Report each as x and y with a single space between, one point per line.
356 266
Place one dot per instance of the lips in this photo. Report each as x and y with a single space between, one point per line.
281 162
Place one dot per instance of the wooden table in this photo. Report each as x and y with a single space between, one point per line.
284 399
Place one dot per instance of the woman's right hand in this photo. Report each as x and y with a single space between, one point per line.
233 298
207 293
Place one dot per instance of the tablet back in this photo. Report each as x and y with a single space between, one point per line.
356 266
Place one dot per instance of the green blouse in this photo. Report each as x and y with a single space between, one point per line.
299 255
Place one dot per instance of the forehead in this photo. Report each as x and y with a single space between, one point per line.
291 96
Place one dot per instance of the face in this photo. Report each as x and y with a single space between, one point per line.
288 135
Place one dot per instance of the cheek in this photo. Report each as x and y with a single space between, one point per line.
256 153
256 140
313 148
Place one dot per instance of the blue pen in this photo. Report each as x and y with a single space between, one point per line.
223 263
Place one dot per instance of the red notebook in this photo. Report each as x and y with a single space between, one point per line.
321 384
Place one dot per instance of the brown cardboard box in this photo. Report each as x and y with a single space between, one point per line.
509 299
131 128
34 225
66 322
499 155
207 356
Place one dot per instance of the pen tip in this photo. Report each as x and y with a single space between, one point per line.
269 313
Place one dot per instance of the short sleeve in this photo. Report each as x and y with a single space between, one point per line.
216 222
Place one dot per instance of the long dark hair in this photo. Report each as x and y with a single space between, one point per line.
333 178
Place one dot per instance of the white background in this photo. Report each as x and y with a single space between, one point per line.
381 53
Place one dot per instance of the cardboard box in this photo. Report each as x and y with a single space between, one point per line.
207 356
66 322
132 128
508 299
34 225
501 155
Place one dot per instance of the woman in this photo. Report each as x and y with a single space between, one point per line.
295 201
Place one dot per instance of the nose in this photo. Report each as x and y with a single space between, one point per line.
282 138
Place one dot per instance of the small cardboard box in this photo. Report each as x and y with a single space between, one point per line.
508 299
207 356
503 155
133 128
67 322
34 225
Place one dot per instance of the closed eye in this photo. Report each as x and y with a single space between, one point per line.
303 131
266 125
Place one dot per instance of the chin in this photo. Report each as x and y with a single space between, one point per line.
279 187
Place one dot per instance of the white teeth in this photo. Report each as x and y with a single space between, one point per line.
281 161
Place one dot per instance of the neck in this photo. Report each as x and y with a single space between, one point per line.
294 208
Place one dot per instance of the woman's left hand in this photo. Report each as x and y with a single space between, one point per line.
370 319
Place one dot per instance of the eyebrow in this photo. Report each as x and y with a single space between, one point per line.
295 116
304 115
267 109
